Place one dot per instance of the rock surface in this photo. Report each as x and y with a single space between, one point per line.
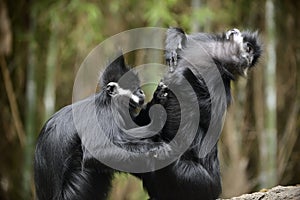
276 193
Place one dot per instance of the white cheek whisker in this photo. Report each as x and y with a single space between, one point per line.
120 91
135 98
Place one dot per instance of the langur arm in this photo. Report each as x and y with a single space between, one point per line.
175 42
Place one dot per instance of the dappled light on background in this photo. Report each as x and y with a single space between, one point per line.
259 145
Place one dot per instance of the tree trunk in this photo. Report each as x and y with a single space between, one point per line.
288 90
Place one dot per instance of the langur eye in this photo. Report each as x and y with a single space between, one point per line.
111 88
140 91
249 48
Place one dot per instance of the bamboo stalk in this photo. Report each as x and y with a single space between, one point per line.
12 101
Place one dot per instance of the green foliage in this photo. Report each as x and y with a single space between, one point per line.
77 26
158 13
78 23
126 186
201 15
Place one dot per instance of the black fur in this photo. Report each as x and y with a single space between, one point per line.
65 166
194 176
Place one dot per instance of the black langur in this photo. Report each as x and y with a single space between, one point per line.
73 140
209 62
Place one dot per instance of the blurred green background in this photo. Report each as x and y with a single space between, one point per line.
42 44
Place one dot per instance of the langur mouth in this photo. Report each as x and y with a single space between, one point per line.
141 102
136 104
244 71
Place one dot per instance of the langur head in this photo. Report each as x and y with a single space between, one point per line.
136 97
248 49
122 84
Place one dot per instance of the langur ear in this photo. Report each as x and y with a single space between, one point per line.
114 71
